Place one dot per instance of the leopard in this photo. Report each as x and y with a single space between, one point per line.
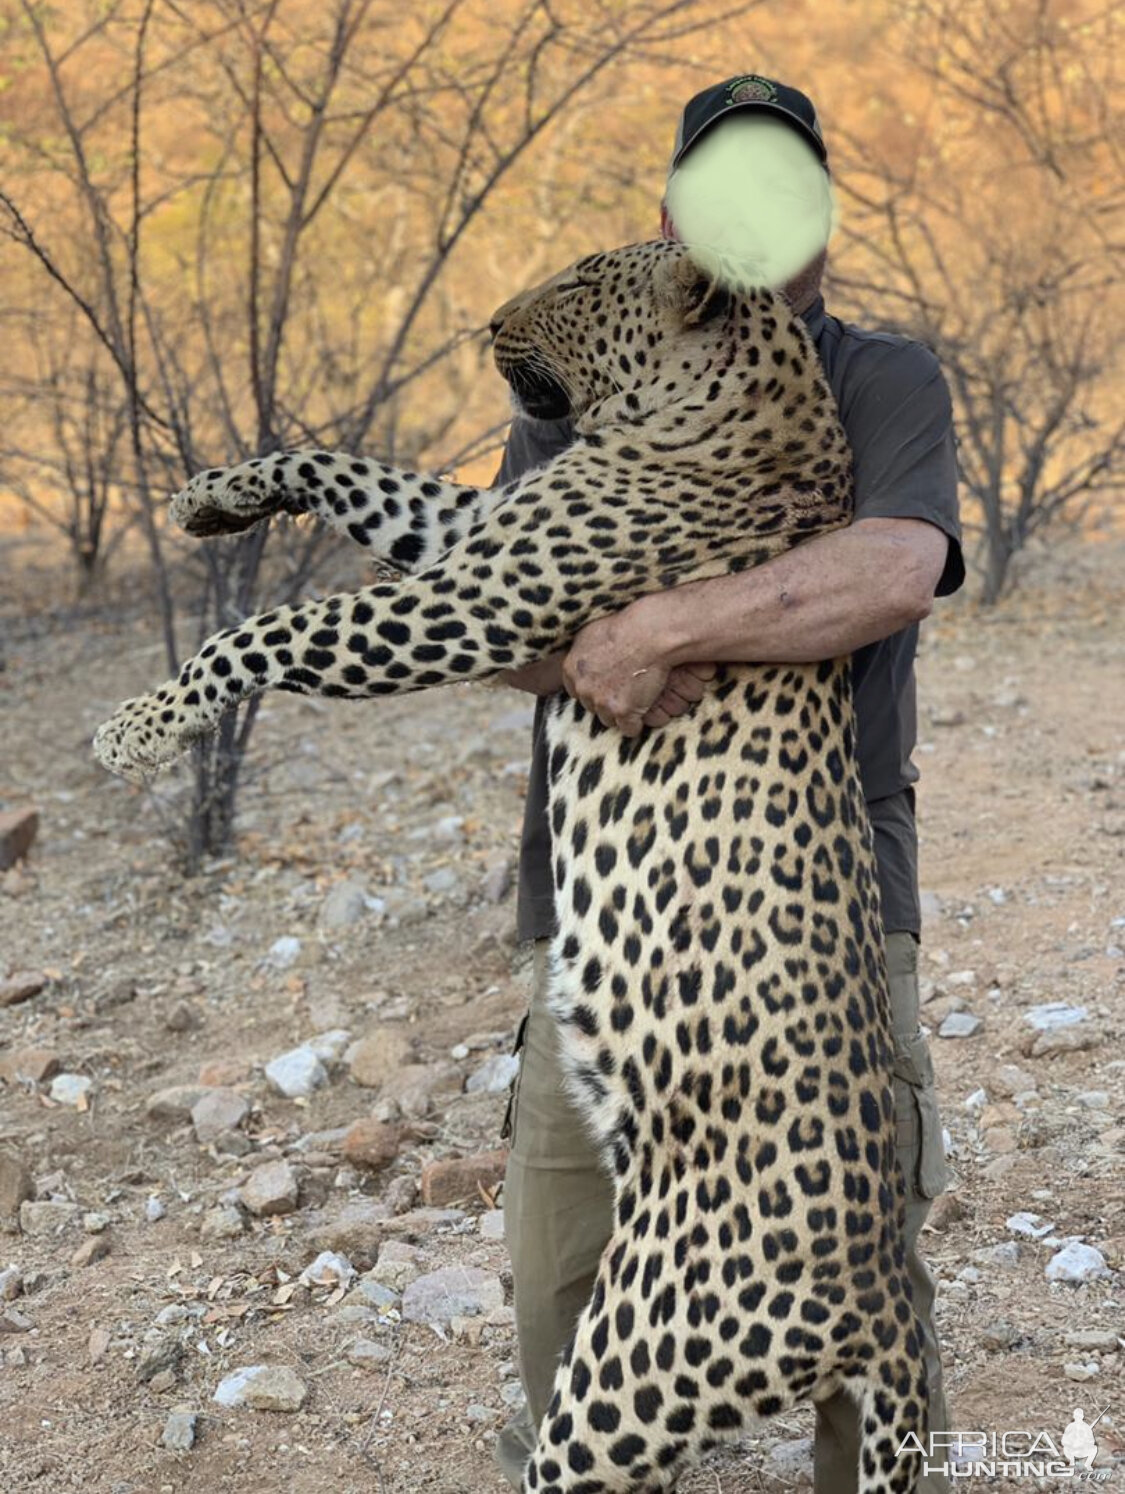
717 978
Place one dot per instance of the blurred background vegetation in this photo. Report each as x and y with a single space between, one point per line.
229 226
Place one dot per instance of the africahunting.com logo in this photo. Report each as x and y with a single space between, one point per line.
1015 1454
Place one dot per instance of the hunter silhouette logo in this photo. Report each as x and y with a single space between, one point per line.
1078 1439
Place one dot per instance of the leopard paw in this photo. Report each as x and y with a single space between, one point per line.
139 740
226 500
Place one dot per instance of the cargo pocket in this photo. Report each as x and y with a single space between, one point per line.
508 1129
920 1147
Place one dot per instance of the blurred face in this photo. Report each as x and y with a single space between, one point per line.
752 201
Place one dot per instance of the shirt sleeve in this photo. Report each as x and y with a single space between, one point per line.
900 425
531 444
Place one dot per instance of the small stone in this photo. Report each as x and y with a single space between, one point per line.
18 829
497 880
46 1216
15 1184
328 1046
154 1209
262 1387
356 1229
97 1345
345 905
1101 1340
159 1352
222 1223
29 1065
960 1025
457 1178
179 1431
1008 1080
1031 1225
1093 1099
492 1225
371 1144
1005 1255
1082 1372
398 1265
1075 1263
11 1284
401 1194
998 1337
443 880
14 1321
375 1058
367 1353
174 1103
1000 1139
283 952
71 1089
96 1248
218 1111
21 986
375 1294
1052 1015
270 1189
1062 1040
513 1395
494 1075
454 1291
970 1276
297 1073
792 1462
329 1269
183 1017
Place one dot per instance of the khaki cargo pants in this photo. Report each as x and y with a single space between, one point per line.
558 1209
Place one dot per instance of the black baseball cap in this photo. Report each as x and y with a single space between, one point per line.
750 91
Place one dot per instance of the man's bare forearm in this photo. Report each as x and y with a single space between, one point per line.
824 599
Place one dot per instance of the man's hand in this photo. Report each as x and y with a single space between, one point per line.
614 672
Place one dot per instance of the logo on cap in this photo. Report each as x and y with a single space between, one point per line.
752 90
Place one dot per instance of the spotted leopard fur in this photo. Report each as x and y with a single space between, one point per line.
717 976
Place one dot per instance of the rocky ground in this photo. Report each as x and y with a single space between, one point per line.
250 1157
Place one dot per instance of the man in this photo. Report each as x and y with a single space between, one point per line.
859 591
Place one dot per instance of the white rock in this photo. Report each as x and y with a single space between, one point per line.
960 1025
1076 1263
1052 1015
329 1046
459 1051
329 1269
296 1073
1080 1372
494 1075
262 1387
283 952
69 1089
977 1100
154 1210
513 1394
454 1291
1031 1225
179 1431
444 879
961 978
11 1284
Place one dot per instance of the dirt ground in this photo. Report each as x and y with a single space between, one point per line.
418 801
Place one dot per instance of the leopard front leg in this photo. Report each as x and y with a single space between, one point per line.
401 516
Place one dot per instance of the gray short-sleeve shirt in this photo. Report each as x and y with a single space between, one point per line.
896 412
